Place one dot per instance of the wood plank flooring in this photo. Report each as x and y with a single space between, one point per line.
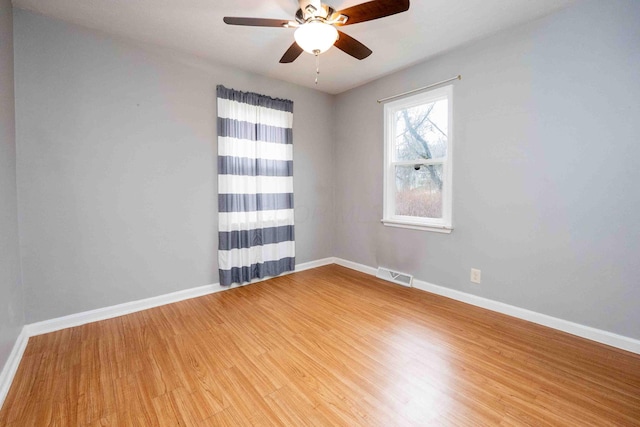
324 347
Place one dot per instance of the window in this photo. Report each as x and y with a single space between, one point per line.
417 157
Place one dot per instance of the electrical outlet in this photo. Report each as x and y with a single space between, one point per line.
476 275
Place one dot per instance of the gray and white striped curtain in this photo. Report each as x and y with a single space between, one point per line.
255 186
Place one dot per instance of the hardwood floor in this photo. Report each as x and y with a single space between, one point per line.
328 346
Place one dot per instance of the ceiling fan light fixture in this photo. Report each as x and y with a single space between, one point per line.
316 37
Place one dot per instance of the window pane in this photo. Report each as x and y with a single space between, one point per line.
419 192
421 132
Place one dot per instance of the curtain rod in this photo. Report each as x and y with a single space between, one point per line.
458 77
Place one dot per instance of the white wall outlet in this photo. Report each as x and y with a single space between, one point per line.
476 275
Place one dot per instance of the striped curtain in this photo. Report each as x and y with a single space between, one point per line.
255 186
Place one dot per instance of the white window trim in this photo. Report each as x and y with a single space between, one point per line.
440 225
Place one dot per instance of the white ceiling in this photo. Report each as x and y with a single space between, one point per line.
429 27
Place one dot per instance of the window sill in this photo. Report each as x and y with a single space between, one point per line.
417 226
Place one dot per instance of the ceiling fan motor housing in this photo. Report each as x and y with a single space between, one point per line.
310 13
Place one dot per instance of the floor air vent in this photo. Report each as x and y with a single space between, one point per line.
394 276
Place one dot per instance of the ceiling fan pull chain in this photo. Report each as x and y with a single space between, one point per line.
317 53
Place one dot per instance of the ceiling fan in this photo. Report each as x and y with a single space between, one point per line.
316 23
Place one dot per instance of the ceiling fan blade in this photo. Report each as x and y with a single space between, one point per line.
351 46
291 54
256 22
373 10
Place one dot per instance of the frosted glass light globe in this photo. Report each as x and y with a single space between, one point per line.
315 36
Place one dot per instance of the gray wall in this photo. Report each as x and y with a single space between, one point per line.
11 298
117 167
546 199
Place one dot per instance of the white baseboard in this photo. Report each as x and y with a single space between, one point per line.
90 316
38 328
77 319
583 331
355 266
593 334
11 365
314 264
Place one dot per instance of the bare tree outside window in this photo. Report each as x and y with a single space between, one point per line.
421 135
418 141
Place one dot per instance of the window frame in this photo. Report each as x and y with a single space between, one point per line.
389 218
